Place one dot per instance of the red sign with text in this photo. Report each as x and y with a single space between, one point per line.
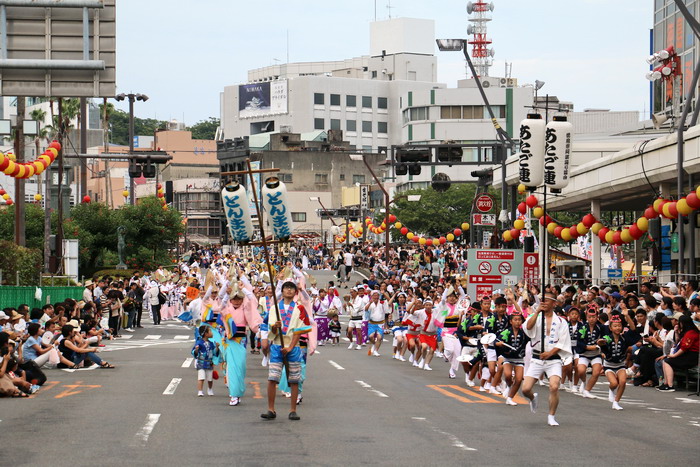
484 279
531 268
482 290
484 203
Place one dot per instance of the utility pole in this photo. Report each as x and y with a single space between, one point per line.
83 146
59 224
20 238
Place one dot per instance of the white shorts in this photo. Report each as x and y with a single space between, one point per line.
205 375
491 355
263 334
355 324
589 361
548 367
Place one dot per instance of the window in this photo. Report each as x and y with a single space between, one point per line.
473 112
366 126
358 179
335 99
450 111
204 227
351 101
318 98
382 103
298 217
351 125
319 124
286 178
382 127
367 102
196 201
335 124
374 74
418 113
321 179
342 177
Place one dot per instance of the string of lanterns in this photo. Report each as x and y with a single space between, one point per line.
10 166
666 208
6 196
449 237
161 196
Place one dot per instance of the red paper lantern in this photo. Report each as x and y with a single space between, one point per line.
617 238
392 218
522 208
673 209
574 232
650 213
692 199
636 232
4 163
545 221
8 202
86 199
404 230
159 186
160 195
56 145
457 232
588 220
443 240
531 201
2 192
557 231
602 232
415 239
515 233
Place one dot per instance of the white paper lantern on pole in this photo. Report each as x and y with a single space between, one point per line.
557 153
274 194
532 147
236 208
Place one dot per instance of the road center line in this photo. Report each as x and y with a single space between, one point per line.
452 438
363 384
170 390
369 388
145 431
187 362
335 365
379 393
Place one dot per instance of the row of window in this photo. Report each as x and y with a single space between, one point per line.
204 227
350 101
463 112
321 178
351 125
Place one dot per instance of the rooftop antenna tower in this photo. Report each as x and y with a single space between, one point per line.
482 55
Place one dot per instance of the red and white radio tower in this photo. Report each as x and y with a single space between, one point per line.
481 53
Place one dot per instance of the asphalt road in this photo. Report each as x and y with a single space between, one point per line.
356 410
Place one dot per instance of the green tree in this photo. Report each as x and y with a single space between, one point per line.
34 224
95 227
119 126
437 213
205 129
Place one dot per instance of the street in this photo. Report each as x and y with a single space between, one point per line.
356 410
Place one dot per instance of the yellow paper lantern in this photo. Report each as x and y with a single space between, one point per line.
538 212
610 237
521 188
22 171
37 197
450 237
519 224
566 235
30 170
53 150
398 225
39 168
11 156
47 159
697 191
10 168
658 202
422 241
643 224
551 227
683 207
626 236
465 226
5 196
436 241
125 193
581 229
410 235
595 228
507 236
666 210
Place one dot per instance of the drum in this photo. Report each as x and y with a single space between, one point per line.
468 354
488 339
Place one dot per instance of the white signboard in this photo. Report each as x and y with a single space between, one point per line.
364 197
484 219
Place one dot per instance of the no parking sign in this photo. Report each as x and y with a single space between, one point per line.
491 270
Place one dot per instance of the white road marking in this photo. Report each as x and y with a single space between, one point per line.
127 336
145 431
676 416
170 390
152 337
335 365
346 339
181 338
452 438
687 400
369 388
187 362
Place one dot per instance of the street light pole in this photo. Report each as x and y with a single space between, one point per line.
131 97
386 202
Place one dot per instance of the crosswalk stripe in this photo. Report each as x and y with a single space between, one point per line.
170 390
152 337
181 338
127 336
187 362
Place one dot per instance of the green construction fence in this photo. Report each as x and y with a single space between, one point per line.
13 296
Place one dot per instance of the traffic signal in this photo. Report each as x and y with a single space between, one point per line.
449 154
414 169
655 229
401 169
410 154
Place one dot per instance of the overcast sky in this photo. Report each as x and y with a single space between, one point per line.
181 53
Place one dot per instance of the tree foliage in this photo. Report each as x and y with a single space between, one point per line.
14 259
438 213
119 126
205 129
34 225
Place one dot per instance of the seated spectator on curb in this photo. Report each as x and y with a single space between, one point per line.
35 350
684 354
77 353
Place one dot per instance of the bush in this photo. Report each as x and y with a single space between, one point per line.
26 261
114 273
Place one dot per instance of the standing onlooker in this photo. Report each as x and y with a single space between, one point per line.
88 292
154 301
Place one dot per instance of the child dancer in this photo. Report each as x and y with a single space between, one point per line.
334 327
204 351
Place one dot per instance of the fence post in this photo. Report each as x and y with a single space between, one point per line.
17 277
52 280
0 277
